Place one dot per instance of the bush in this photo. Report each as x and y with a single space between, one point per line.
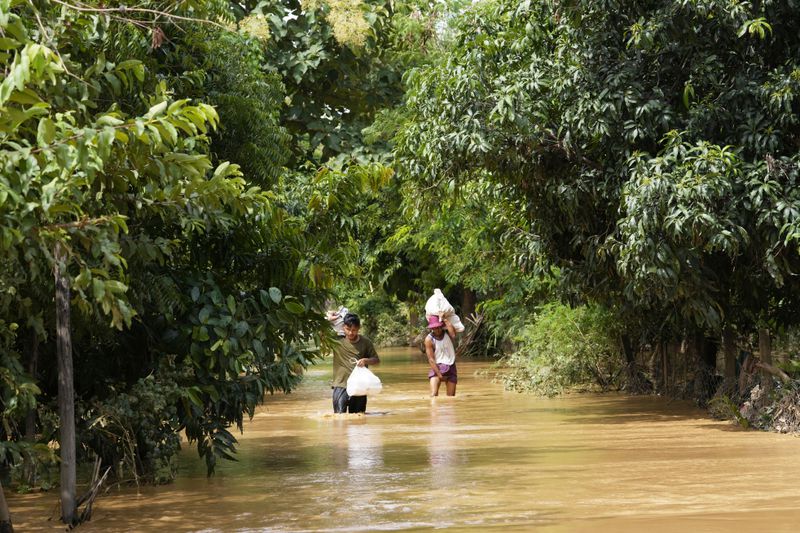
392 328
384 319
565 348
137 432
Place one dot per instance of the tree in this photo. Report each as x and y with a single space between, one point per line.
651 144
17 395
109 181
342 65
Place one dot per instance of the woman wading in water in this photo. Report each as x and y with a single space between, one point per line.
441 355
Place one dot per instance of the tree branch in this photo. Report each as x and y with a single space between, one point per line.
123 9
775 371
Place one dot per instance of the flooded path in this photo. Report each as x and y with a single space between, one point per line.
487 459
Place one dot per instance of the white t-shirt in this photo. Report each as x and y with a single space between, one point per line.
443 350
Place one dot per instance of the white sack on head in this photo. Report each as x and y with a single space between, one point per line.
456 321
439 306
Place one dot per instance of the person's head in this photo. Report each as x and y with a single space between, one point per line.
435 325
351 326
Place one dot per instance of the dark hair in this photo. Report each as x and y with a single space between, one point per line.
351 319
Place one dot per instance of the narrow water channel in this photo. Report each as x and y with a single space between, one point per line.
486 459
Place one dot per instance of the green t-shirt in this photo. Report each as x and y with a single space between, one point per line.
345 355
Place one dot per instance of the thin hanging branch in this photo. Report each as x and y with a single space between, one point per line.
123 10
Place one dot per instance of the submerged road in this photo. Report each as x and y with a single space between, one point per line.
486 459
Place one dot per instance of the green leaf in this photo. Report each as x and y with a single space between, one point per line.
109 120
194 396
27 97
202 334
46 132
688 94
156 110
128 64
8 44
98 289
275 294
294 307
258 347
115 286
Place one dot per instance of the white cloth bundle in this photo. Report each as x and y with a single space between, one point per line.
336 318
439 306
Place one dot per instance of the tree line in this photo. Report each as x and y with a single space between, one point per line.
185 185
651 148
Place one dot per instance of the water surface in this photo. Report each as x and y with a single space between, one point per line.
486 459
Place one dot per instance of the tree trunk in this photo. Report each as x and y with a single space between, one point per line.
627 350
66 389
703 359
654 362
413 325
729 349
708 348
5 516
467 303
765 354
632 382
29 469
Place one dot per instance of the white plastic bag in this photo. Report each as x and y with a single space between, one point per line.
362 382
439 306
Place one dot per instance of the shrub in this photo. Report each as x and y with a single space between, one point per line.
565 348
137 432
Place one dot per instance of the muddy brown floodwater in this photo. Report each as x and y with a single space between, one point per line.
486 459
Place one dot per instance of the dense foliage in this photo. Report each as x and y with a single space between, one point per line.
191 293
601 179
564 348
650 145
201 173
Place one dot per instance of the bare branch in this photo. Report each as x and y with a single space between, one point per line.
80 224
775 371
123 10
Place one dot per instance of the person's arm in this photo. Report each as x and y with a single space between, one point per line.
431 358
450 329
371 356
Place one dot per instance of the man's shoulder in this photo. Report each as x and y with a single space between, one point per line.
366 340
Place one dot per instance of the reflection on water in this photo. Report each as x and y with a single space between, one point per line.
365 449
486 459
441 448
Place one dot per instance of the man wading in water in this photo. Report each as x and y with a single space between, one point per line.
351 351
441 355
